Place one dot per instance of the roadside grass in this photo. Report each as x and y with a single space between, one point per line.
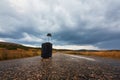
6 54
109 53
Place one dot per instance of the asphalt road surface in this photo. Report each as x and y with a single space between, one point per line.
60 67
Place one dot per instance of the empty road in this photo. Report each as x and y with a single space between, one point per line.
60 67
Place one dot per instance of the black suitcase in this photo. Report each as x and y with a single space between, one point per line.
46 50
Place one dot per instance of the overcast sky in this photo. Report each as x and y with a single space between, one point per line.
74 24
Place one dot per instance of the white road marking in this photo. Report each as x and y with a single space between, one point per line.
86 58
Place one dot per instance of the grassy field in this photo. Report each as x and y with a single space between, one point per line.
101 53
6 54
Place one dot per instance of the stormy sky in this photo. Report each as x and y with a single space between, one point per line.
74 24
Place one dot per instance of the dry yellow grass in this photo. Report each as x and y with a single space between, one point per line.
111 54
19 53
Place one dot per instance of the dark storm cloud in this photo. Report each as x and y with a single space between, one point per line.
81 22
112 44
92 37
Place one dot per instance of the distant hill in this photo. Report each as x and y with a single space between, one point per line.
84 50
14 46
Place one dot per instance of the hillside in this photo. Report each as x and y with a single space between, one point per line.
13 46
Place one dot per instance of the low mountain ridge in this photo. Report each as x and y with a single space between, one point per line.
13 46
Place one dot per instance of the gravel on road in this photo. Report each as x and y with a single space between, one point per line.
60 67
